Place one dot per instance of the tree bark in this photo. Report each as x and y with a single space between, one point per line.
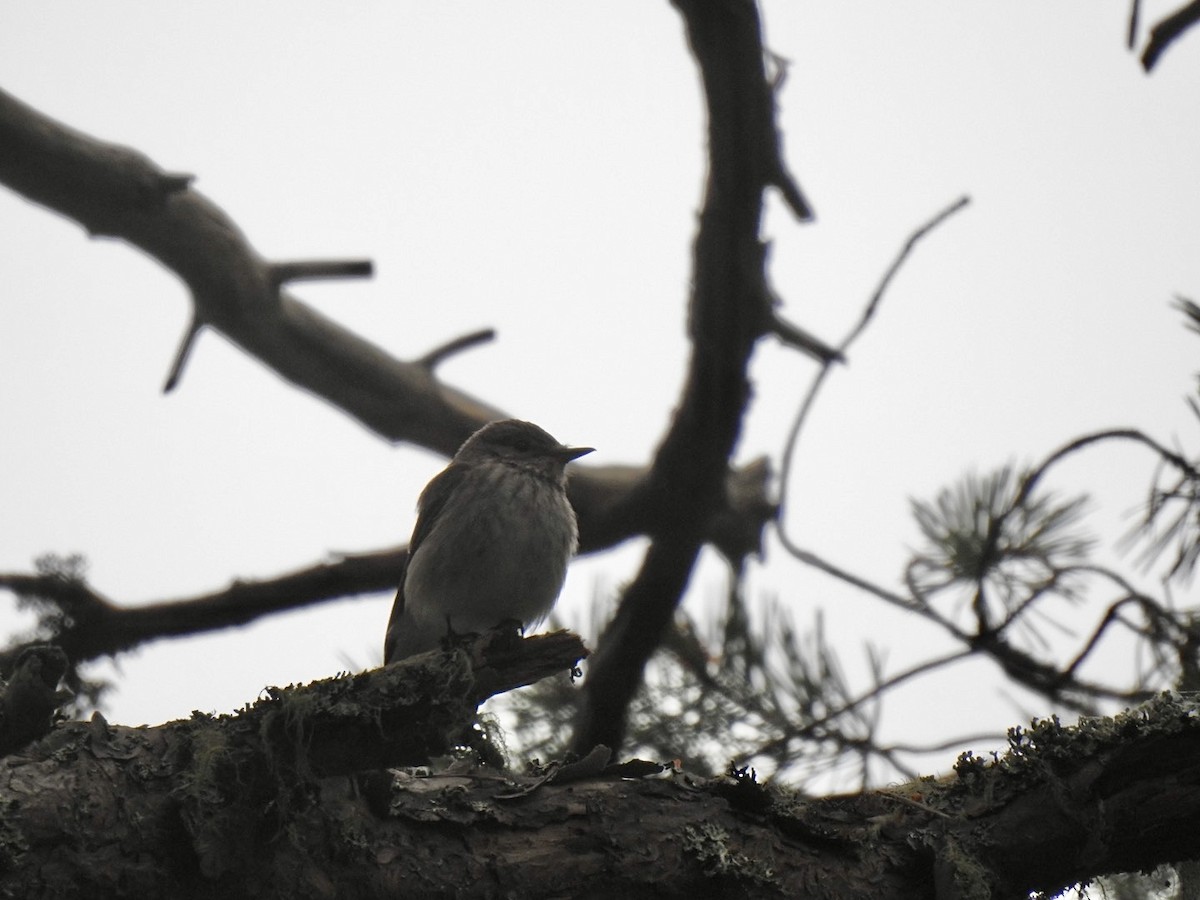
259 804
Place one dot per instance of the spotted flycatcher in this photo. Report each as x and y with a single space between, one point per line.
494 534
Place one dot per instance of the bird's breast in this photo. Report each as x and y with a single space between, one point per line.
497 551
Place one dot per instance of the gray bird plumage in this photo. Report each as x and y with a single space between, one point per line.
493 538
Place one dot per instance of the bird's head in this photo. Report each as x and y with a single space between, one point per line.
519 443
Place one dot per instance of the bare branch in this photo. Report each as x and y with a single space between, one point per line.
908 604
314 269
1167 31
435 356
1129 434
897 263
792 195
828 724
182 354
1160 619
789 450
795 336
115 190
780 175
96 626
685 482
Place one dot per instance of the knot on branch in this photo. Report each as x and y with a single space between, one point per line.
737 528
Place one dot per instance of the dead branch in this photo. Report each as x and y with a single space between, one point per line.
727 315
237 807
112 190
96 626
1167 31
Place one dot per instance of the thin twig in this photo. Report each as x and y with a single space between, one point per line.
780 176
435 356
1030 481
1150 607
182 354
899 261
813 730
908 604
312 269
794 434
792 195
1132 434
797 337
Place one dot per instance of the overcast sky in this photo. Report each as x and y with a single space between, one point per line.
537 167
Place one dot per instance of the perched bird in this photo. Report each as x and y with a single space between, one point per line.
494 534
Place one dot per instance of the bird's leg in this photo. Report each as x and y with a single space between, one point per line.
454 639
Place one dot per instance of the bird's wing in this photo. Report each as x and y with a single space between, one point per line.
397 612
429 507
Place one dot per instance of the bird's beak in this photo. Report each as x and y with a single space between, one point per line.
566 454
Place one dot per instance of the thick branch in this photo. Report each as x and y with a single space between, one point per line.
116 191
397 715
727 314
208 818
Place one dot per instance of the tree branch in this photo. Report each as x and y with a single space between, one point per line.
94 626
314 269
238 806
727 315
839 355
434 357
186 344
116 191
1167 31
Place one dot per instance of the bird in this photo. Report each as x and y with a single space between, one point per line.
494 534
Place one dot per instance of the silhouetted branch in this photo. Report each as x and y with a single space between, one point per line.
839 354
1128 434
797 337
431 359
117 191
318 269
94 626
186 343
726 316
1167 31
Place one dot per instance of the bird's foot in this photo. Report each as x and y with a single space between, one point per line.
507 635
453 640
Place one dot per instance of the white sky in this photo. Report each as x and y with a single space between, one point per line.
537 167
